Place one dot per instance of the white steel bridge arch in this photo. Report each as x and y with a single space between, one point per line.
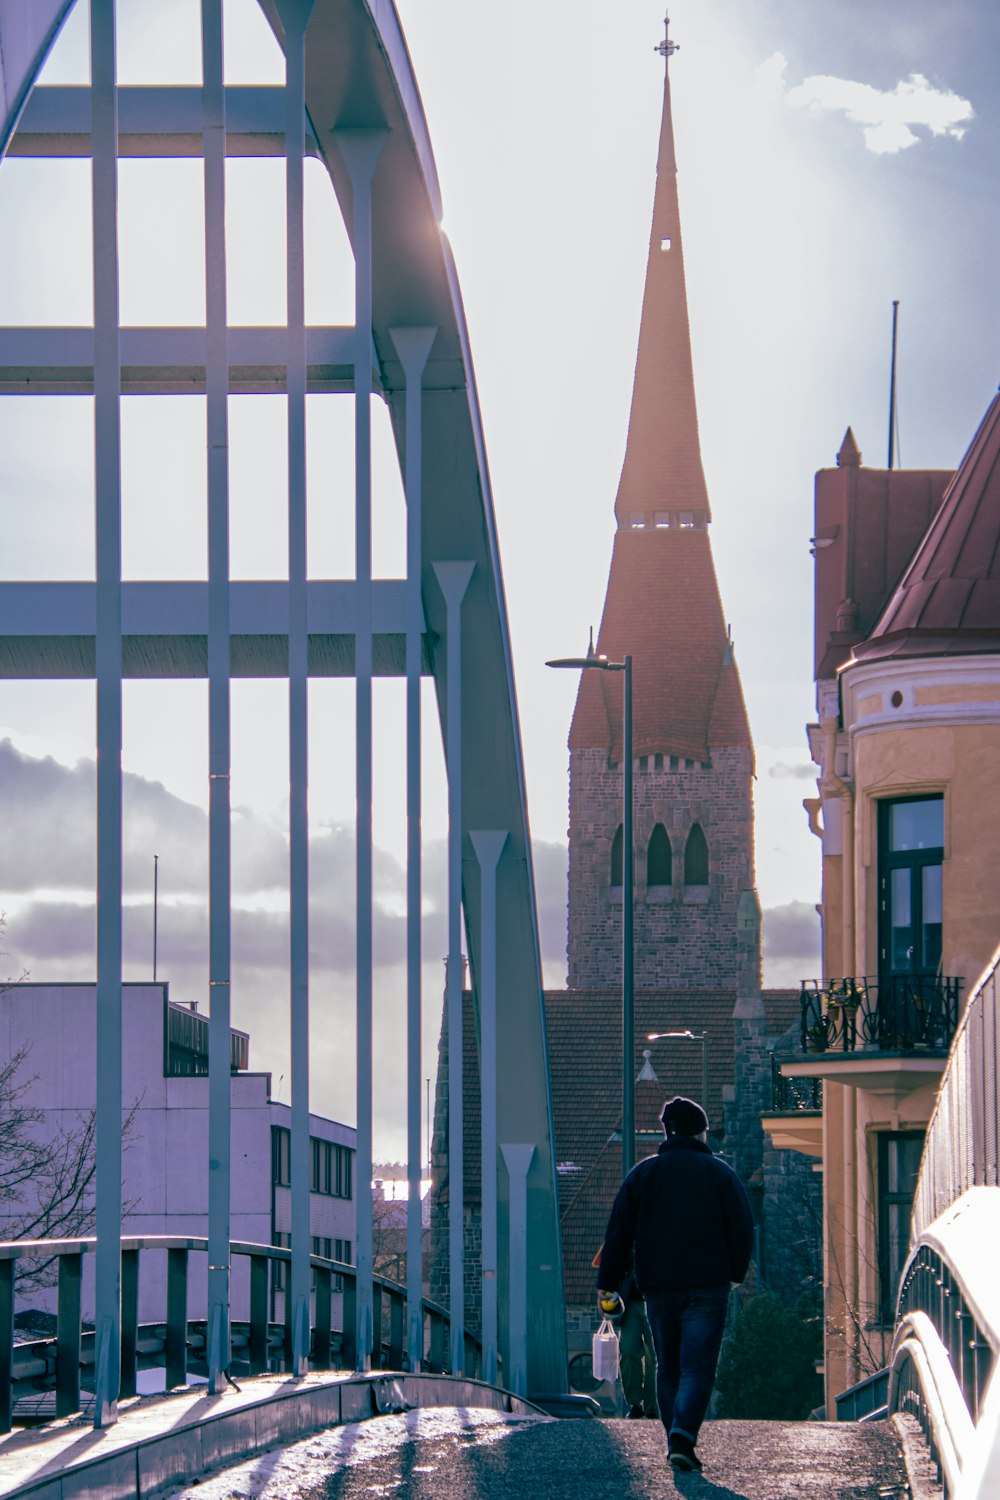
350 98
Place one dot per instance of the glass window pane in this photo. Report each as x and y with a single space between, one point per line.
917 825
932 912
900 918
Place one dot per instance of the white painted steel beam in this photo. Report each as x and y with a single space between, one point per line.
360 149
355 72
453 579
295 14
518 1161
219 673
170 361
489 846
156 121
413 345
107 654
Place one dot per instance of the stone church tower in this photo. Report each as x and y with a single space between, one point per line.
696 913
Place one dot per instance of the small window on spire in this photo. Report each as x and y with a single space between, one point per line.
662 518
686 519
665 244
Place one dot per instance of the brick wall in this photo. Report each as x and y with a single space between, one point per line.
683 935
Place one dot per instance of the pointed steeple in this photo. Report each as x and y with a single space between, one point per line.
662 473
662 604
849 456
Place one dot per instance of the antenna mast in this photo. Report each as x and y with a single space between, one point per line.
892 387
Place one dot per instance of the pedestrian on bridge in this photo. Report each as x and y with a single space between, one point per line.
685 1216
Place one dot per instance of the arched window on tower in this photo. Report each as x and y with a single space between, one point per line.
659 859
696 857
617 857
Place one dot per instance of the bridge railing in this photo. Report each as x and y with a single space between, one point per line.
947 1338
46 1376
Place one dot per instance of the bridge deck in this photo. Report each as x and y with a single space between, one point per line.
471 1449
461 1455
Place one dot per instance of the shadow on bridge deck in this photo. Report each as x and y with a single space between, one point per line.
162 1442
466 1455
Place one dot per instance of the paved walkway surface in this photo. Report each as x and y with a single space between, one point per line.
451 1454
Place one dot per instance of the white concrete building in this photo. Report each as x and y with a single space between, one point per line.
165 1164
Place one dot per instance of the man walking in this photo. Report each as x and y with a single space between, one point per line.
685 1215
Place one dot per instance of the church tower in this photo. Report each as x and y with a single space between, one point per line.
696 914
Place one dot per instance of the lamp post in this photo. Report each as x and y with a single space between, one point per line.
689 1036
593 662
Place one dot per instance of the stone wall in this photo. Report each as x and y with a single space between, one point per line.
684 935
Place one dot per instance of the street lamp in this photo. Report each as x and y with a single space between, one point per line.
593 662
689 1036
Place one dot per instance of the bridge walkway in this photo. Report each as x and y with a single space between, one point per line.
319 1439
461 1455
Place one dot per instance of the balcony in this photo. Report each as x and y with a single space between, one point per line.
889 1037
795 1119
904 1013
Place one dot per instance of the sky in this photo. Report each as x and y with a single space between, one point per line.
831 159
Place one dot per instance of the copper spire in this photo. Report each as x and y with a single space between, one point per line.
662 473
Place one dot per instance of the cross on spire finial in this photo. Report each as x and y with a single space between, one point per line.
667 48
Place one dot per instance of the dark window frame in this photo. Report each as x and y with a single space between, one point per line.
889 1205
915 861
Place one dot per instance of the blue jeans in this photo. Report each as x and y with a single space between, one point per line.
687 1328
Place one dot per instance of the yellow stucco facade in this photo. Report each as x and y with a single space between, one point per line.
916 728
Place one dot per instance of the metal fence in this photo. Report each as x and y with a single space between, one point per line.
947 1338
46 1378
798 1095
902 1012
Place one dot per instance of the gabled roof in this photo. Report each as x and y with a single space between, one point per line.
663 607
948 601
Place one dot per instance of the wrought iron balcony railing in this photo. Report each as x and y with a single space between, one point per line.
898 1014
794 1094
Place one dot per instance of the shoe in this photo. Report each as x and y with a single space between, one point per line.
681 1454
654 1416
634 1411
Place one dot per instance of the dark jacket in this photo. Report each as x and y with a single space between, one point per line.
687 1216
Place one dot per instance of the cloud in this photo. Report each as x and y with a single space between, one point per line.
551 863
791 943
889 118
801 771
47 859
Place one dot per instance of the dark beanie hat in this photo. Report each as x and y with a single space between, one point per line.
683 1117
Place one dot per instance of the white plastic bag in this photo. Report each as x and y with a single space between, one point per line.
604 1352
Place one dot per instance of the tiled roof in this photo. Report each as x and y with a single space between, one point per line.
584 1042
948 600
663 608
584 1031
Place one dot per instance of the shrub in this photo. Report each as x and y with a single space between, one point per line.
767 1370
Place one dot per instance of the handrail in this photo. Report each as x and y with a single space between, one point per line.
946 1346
73 1348
898 1013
